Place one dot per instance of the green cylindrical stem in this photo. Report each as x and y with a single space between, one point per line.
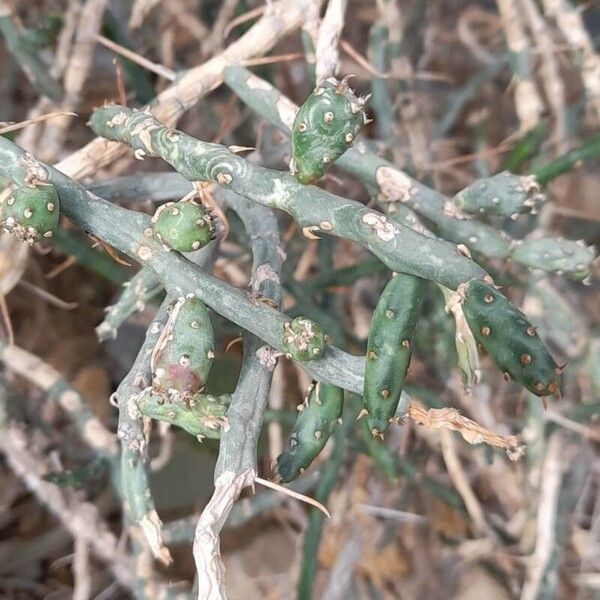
389 349
572 258
511 340
27 55
563 164
400 248
183 355
319 413
140 289
503 195
73 244
312 537
202 415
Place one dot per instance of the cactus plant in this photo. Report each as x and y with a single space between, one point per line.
383 218
389 350
31 213
201 415
324 128
319 414
572 258
183 355
502 195
510 338
183 226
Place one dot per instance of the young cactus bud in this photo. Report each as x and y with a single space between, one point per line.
202 415
303 339
509 338
319 413
31 213
183 355
389 350
574 259
504 195
324 128
183 226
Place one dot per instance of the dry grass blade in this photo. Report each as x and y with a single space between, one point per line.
280 488
8 128
134 57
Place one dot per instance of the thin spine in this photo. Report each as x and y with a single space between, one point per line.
182 530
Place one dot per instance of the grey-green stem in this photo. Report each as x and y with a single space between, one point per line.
399 247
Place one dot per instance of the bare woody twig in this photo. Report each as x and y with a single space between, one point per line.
81 519
76 72
553 467
570 22
172 103
472 432
327 51
81 570
44 376
528 103
549 70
